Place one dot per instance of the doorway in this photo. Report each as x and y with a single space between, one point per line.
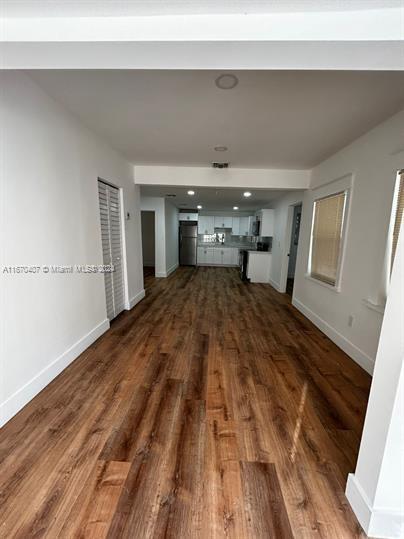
294 242
148 244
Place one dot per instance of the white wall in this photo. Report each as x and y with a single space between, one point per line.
283 207
171 220
50 215
148 238
376 490
373 160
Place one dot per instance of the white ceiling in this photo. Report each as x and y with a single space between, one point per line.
213 198
121 8
272 119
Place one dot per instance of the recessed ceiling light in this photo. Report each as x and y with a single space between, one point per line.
235 207
199 207
247 194
220 148
226 81
191 193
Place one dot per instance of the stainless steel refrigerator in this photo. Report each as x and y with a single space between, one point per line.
188 242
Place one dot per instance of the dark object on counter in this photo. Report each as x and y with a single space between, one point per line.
262 246
243 263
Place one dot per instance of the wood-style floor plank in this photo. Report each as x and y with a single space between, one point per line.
213 409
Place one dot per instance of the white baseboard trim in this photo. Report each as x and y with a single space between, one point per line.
162 274
275 285
172 269
380 523
358 355
28 391
133 301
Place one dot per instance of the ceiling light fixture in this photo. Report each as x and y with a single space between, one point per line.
220 148
191 193
247 194
235 207
226 81
199 207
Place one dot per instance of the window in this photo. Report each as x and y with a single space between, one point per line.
326 239
398 211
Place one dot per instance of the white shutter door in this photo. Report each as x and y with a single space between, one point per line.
106 247
110 212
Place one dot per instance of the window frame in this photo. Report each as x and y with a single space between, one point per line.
393 218
334 188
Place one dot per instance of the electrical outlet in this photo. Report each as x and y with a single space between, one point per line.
350 320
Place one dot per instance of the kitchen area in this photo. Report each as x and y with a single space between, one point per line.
228 239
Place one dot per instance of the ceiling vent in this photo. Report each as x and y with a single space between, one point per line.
170 195
216 164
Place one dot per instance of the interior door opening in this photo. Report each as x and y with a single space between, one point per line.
294 241
149 243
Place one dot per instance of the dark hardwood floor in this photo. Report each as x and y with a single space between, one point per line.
149 273
212 409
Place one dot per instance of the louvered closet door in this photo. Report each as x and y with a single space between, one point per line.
110 211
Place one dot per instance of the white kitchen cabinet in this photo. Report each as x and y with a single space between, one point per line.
201 255
235 229
218 256
266 218
244 228
210 255
259 266
235 256
205 255
227 257
206 224
223 222
188 216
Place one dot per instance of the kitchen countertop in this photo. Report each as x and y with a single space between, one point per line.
229 245
260 252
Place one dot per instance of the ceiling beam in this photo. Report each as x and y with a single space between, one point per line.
254 178
363 39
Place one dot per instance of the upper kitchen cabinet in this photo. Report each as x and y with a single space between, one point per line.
223 222
188 216
245 224
266 218
235 229
206 224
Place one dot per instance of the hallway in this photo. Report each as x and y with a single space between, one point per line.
212 409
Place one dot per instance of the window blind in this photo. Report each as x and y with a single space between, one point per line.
327 237
399 211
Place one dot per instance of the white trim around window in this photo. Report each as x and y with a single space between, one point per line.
341 185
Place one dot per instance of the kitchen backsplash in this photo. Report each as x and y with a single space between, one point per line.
225 236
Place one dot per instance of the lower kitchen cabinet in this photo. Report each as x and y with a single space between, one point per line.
227 258
217 256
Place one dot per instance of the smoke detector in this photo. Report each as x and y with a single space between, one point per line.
216 164
226 81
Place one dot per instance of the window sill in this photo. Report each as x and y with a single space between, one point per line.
373 306
335 289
